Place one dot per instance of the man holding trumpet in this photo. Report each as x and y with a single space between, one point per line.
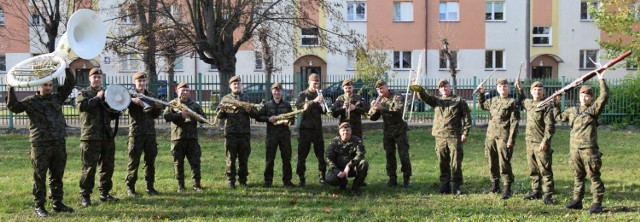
311 129
350 107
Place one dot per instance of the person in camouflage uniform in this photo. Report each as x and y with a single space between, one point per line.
278 135
584 153
310 130
390 106
96 140
451 125
237 134
357 106
142 137
47 136
345 158
184 137
539 131
501 136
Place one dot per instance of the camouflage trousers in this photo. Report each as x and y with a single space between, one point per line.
189 148
398 142
540 168
272 143
499 157
586 162
97 153
359 172
306 137
138 145
48 156
450 155
237 146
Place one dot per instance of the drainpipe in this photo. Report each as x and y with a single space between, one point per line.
426 34
527 52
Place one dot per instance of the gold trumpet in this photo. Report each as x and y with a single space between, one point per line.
372 111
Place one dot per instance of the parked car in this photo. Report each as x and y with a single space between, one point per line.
333 91
257 92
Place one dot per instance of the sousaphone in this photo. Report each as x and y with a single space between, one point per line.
85 38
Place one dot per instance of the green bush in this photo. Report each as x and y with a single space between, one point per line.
624 102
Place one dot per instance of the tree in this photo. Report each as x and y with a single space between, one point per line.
371 62
453 65
619 20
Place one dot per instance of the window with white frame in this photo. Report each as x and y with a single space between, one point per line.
587 58
494 59
402 59
356 11
541 36
3 63
449 11
494 11
259 62
1 16
402 11
129 63
584 9
444 62
309 36
351 60
178 65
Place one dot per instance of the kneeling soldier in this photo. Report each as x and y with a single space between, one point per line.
345 158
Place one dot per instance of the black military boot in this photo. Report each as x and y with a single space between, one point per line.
106 197
321 177
151 190
58 206
445 188
181 187
506 192
596 208
494 188
355 191
303 182
534 195
456 190
548 199
393 182
288 184
407 182
41 211
85 200
196 185
575 204
232 185
131 191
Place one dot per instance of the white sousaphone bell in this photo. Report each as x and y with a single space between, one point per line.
85 38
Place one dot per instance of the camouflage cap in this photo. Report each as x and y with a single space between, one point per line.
586 90
347 82
502 82
380 83
182 85
536 84
276 85
234 79
314 77
95 71
442 83
139 75
344 125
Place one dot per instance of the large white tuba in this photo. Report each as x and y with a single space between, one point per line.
85 38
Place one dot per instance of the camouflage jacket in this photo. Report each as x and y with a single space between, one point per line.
140 122
451 115
392 115
540 122
583 120
46 119
271 108
95 118
503 123
312 118
237 121
180 127
339 154
355 116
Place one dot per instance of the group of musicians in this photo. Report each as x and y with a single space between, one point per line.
344 156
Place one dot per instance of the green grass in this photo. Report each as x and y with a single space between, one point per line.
315 202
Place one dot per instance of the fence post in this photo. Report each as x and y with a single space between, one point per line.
562 101
10 119
199 94
473 116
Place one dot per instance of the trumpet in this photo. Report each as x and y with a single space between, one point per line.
325 107
347 111
146 99
372 111
283 119
179 107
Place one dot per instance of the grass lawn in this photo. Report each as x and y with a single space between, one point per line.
314 203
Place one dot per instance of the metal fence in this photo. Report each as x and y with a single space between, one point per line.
205 89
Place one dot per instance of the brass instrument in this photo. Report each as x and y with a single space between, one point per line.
324 105
372 111
482 83
283 119
179 107
347 102
146 99
234 104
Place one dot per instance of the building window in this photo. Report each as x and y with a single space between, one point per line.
309 36
444 62
494 11
587 59
35 19
494 59
403 11
449 11
178 65
351 60
259 62
1 16
541 36
128 15
3 63
402 59
213 67
584 10
129 63
356 11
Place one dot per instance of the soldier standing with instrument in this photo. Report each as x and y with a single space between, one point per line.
350 107
277 136
142 137
237 134
47 137
184 137
96 139
390 106
310 131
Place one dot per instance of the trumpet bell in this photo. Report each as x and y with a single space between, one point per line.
36 71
